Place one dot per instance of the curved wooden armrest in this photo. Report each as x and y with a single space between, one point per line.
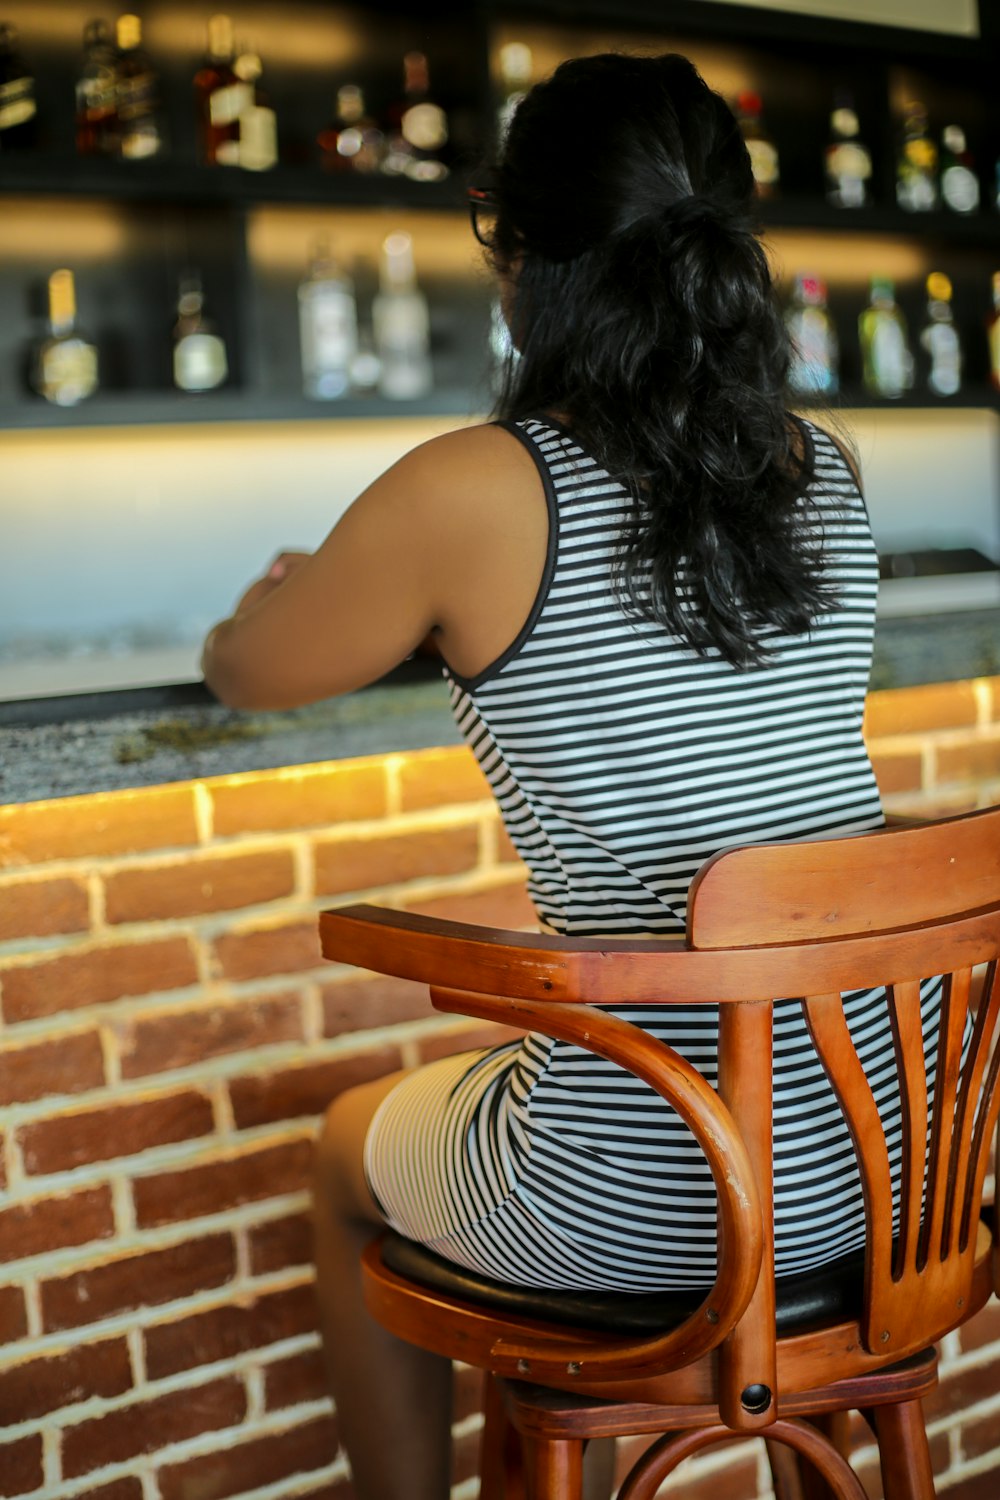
741 1231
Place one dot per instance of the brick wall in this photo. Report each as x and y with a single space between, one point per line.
169 1035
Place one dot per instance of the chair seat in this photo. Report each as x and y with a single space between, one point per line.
830 1294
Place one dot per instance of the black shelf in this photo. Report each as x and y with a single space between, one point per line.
939 225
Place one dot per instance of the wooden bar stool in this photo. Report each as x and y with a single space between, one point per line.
751 1355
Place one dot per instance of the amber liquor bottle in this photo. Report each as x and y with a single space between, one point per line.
221 97
18 106
97 94
64 367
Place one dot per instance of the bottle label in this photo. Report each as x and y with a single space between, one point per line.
960 189
68 371
763 162
941 342
226 105
17 103
425 126
258 144
892 363
328 332
814 352
200 362
402 335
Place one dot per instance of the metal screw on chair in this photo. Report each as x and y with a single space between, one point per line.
885 1335
755 1398
573 1368
523 1367
711 1315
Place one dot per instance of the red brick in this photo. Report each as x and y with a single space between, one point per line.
981 1435
13 1314
73 1138
21 1465
146 1279
958 1389
943 705
42 1385
279 1243
119 1489
869 1470
434 778
199 884
294 1380
146 1426
503 906
311 797
447 1043
95 976
506 853
178 1039
44 1224
222 1332
898 770
39 908
212 1187
983 1329
254 1464
295 1092
977 760
465 1457
365 1004
257 952
467 1392
104 823
71 1064
390 859
736 1480
976 1487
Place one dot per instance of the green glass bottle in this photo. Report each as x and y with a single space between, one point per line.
886 360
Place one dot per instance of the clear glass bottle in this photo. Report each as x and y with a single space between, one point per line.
763 152
200 362
220 97
18 105
328 328
401 324
993 333
814 368
886 358
352 142
64 369
258 123
959 183
917 165
139 130
847 161
97 94
939 339
418 127
515 81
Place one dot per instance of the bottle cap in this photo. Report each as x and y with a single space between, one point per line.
883 289
128 32
220 36
811 289
748 102
938 287
62 299
398 271
844 121
953 137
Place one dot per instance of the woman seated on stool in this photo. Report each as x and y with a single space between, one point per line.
654 592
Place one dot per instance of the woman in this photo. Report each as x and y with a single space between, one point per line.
654 592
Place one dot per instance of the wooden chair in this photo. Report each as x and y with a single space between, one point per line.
784 1359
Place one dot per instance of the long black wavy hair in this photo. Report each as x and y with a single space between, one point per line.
643 309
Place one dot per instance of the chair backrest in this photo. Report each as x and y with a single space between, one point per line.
890 909
809 920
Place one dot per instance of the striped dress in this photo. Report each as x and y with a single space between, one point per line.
621 760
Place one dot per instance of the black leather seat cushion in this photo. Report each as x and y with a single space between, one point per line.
830 1295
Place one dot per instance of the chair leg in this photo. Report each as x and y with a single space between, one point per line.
836 1427
501 1464
553 1468
904 1455
786 1472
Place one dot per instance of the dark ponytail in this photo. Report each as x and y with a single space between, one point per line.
645 316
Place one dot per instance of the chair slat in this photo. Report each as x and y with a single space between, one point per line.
986 1114
970 1101
908 1040
954 1013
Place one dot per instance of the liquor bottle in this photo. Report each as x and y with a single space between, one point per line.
258 125
418 128
515 76
916 169
139 131
993 333
352 142
220 97
939 339
959 183
847 161
401 324
199 362
886 360
18 105
328 328
97 94
64 368
763 152
814 365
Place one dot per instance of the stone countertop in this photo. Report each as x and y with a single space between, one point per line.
58 747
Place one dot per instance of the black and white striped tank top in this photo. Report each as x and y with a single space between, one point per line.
621 760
